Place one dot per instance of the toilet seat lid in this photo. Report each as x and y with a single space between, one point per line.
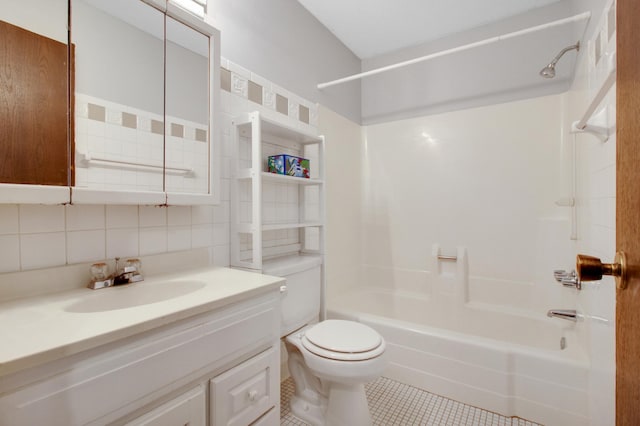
339 339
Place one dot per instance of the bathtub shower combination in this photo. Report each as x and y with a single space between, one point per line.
514 363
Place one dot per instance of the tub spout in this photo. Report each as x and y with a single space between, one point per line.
567 314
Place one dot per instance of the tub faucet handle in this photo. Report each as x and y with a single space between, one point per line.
568 279
559 274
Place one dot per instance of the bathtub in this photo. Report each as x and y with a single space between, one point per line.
507 362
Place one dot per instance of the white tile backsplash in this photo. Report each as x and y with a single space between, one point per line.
221 255
178 238
9 219
122 242
122 217
201 215
152 216
221 233
179 216
85 246
153 240
36 218
9 253
42 250
221 213
201 235
85 217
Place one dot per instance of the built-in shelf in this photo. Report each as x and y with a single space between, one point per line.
274 129
278 226
249 249
247 228
274 177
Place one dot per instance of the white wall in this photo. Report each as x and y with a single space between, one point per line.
344 181
45 17
497 73
282 41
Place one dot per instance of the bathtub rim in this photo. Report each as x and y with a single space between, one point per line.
575 356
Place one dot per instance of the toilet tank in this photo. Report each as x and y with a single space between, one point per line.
301 301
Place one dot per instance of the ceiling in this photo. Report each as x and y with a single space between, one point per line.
375 27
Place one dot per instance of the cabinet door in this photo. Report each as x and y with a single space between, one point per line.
247 391
33 108
188 409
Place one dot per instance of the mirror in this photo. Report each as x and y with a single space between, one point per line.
187 109
34 140
137 112
119 95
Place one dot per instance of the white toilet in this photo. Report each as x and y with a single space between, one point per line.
329 361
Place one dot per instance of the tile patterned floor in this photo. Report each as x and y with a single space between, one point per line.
394 403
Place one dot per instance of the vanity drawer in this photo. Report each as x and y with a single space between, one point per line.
247 391
190 408
272 418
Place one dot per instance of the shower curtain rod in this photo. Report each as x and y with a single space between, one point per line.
575 18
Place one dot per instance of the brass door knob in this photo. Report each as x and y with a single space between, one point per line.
590 268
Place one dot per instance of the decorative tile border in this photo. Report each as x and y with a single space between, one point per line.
247 85
110 132
121 115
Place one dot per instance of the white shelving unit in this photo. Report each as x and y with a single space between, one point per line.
275 219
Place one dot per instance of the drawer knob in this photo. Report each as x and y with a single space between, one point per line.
253 395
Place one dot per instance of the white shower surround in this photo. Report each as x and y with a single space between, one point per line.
480 183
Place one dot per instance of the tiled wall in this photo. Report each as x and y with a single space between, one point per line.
37 236
266 97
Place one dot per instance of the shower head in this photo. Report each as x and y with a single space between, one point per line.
550 70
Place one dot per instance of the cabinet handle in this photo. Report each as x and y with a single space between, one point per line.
253 395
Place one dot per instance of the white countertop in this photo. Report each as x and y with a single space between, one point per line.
45 328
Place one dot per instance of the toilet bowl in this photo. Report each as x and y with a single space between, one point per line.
330 362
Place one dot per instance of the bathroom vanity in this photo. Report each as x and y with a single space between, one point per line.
199 348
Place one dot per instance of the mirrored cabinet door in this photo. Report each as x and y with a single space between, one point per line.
119 95
187 109
192 109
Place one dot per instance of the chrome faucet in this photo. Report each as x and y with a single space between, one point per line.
566 314
568 279
129 273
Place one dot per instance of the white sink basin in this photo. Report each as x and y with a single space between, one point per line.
132 295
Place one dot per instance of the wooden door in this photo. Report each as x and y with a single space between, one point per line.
34 143
628 212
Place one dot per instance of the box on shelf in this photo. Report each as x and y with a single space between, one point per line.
291 165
